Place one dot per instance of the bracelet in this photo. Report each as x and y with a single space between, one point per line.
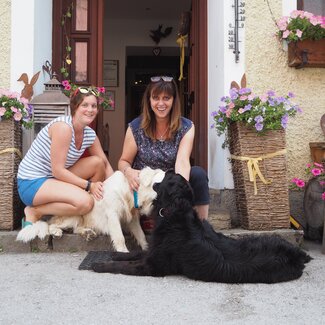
125 169
88 186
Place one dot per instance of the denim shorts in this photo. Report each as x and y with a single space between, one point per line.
27 189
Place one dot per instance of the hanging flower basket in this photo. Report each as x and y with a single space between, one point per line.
11 208
307 53
262 196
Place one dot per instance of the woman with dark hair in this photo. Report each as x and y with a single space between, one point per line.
52 177
162 138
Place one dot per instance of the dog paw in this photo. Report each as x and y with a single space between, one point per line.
88 234
104 267
55 232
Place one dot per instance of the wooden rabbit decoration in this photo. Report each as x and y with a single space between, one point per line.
28 91
234 84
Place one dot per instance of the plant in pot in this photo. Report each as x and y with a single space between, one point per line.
254 127
305 34
313 186
15 112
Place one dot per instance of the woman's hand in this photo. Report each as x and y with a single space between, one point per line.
97 190
132 176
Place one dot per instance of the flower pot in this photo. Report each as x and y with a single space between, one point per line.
314 209
307 53
268 209
11 208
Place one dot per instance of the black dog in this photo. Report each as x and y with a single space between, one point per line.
182 244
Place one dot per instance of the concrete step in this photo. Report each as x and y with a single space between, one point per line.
75 243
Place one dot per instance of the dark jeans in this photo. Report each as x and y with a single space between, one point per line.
199 182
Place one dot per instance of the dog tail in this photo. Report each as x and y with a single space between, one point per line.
38 229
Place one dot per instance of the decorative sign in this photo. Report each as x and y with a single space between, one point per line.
111 73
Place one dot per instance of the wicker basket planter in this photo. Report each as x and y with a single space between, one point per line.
268 209
10 205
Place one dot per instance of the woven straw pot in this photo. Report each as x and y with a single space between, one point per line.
10 205
269 208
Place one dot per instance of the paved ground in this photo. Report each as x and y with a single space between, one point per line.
48 288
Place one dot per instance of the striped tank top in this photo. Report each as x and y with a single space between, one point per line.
37 161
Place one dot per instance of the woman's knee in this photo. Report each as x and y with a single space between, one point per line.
85 205
199 182
97 163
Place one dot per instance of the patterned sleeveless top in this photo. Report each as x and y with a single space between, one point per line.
157 154
37 161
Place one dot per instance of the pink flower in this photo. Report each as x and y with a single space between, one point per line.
2 111
228 112
67 87
294 180
316 171
298 33
14 109
231 105
286 34
317 165
264 98
295 13
18 116
300 183
323 196
314 20
244 97
308 165
65 83
241 110
101 89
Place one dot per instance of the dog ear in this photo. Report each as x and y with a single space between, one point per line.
158 177
146 175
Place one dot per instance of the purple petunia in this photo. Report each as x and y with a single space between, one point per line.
233 93
284 120
259 126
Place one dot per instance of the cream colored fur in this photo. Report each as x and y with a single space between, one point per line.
109 214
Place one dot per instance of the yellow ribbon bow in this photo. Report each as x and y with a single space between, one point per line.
181 42
254 169
14 150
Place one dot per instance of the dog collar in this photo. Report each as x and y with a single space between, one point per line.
135 198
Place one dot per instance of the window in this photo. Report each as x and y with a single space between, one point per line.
316 7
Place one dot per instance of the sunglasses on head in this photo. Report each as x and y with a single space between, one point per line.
88 90
163 78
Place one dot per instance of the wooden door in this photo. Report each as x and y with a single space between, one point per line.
79 38
197 87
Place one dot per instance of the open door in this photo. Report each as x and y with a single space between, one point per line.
83 33
198 80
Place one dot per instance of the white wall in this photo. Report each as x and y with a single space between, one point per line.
31 44
118 34
222 69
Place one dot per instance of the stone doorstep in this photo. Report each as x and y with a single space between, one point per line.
75 243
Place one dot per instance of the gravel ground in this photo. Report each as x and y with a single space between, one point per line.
48 288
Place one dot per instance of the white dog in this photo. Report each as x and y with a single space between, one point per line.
117 206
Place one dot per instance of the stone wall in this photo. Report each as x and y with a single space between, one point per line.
5 32
266 68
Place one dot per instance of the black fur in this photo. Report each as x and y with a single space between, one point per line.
182 244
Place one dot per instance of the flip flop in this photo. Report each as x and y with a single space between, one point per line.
25 223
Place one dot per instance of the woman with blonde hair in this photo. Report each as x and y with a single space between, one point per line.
52 178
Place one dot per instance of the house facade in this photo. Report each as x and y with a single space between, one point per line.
28 41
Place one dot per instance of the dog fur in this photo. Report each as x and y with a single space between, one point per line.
182 244
107 215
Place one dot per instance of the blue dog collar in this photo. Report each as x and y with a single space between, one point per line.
135 198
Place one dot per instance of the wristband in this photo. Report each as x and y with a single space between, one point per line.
88 186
